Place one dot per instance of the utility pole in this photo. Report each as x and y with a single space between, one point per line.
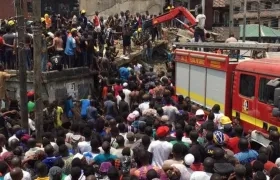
230 16
244 21
259 20
19 4
37 51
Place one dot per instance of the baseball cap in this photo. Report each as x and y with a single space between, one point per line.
189 159
162 131
125 84
164 118
30 93
225 120
199 112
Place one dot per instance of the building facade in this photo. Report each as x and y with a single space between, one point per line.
269 12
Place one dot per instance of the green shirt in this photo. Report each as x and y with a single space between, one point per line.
30 106
175 142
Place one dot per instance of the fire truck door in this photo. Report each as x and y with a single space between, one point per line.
247 98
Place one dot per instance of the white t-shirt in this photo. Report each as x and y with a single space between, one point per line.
200 175
161 151
143 106
118 97
127 95
186 140
26 176
200 20
84 146
11 138
31 124
183 170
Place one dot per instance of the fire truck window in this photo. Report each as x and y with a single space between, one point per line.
247 85
266 93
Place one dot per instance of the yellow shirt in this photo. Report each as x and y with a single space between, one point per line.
42 178
3 77
59 112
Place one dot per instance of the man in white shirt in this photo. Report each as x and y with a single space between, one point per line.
84 146
231 39
14 129
126 92
200 24
146 104
16 163
160 148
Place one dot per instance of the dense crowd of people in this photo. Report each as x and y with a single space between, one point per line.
79 41
135 128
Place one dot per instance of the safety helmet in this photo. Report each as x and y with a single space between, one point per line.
42 19
46 15
11 23
73 30
83 11
218 138
199 112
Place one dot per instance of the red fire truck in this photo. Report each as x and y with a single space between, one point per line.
248 90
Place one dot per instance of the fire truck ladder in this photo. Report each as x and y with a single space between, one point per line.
229 46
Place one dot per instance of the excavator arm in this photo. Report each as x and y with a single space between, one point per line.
172 14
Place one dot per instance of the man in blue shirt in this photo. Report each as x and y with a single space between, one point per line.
107 156
70 48
69 108
49 160
245 155
84 105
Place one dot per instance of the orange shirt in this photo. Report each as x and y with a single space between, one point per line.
104 92
48 22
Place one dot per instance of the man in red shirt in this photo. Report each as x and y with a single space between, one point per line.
96 21
233 142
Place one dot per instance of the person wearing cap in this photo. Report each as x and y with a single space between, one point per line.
200 117
184 168
83 19
224 122
126 92
48 21
70 48
160 148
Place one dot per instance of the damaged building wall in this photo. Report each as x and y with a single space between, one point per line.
77 82
111 7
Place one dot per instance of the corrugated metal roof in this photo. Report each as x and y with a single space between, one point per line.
252 31
219 3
